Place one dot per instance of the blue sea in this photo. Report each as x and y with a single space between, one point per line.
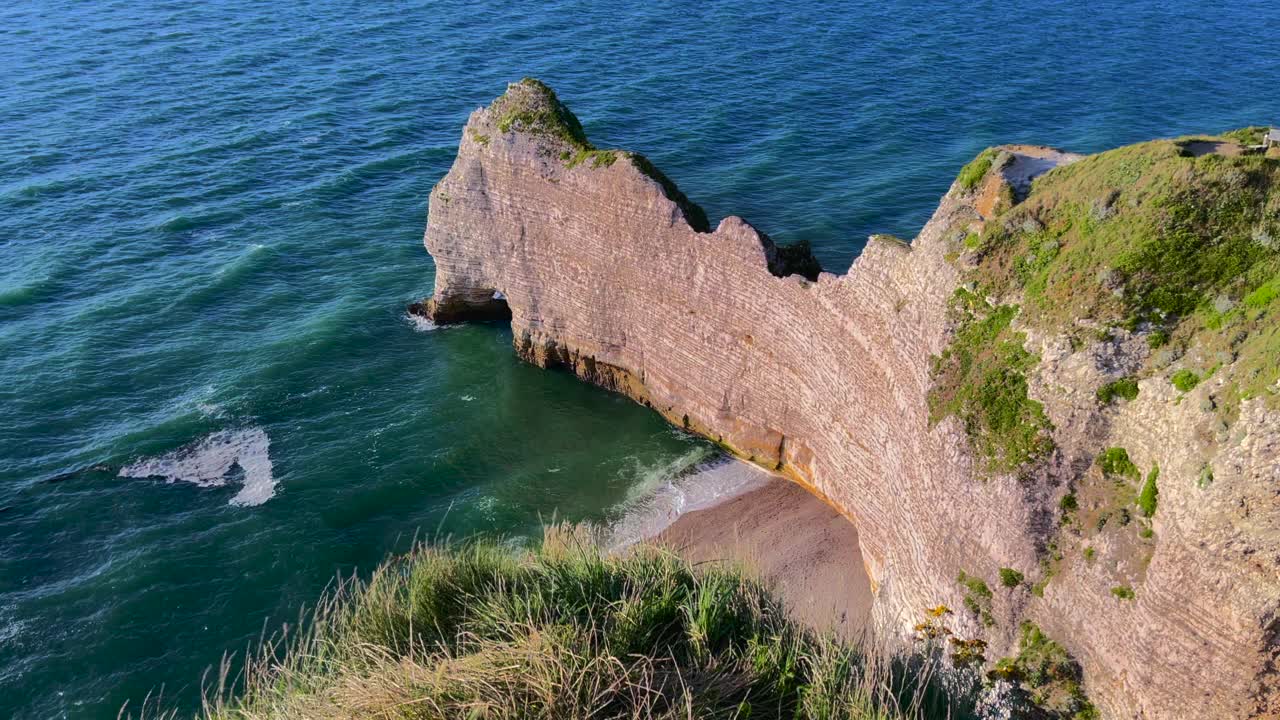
212 403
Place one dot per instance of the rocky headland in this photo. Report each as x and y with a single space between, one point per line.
1052 416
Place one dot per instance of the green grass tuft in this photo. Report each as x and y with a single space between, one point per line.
1010 578
1115 462
981 379
1123 592
566 631
595 158
1185 380
1150 494
1125 388
972 173
1205 478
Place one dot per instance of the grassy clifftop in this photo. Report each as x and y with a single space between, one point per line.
564 632
1171 238
1175 240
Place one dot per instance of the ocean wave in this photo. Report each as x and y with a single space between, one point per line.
422 324
183 223
209 461
19 295
9 627
682 486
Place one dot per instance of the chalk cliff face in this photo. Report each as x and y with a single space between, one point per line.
608 271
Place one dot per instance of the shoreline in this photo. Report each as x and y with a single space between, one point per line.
776 529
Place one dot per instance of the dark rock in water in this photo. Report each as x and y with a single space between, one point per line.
485 305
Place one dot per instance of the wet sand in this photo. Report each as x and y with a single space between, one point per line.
795 541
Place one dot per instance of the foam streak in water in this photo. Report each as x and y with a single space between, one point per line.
208 462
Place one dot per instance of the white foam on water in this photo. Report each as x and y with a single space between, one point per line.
9 628
686 487
208 463
420 323
466 398
212 410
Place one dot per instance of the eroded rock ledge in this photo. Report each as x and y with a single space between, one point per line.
608 270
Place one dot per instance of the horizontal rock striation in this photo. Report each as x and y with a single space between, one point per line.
607 270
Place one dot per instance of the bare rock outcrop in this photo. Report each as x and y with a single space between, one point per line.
607 270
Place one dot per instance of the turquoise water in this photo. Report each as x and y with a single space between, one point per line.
210 223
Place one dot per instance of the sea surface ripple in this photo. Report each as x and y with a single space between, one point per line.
210 219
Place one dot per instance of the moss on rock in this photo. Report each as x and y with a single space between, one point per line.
981 379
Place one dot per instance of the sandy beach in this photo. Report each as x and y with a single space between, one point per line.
793 540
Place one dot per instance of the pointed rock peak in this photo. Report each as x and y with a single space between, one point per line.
531 106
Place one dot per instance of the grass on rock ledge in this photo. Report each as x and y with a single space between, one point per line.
1158 238
981 379
565 631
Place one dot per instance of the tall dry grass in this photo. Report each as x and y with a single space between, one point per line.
568 631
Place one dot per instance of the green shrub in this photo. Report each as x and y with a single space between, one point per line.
1010 577
1126 388
1089 552
1251 135
1124 592
1150 494
1263 296
975 585
1047 674
1115 462
977 597
1185 380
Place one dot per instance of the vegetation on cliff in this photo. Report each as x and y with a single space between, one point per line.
972 174
565 631
981 379
1047 675
532 107
1177 240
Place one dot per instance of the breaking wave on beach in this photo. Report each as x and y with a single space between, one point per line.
686 487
